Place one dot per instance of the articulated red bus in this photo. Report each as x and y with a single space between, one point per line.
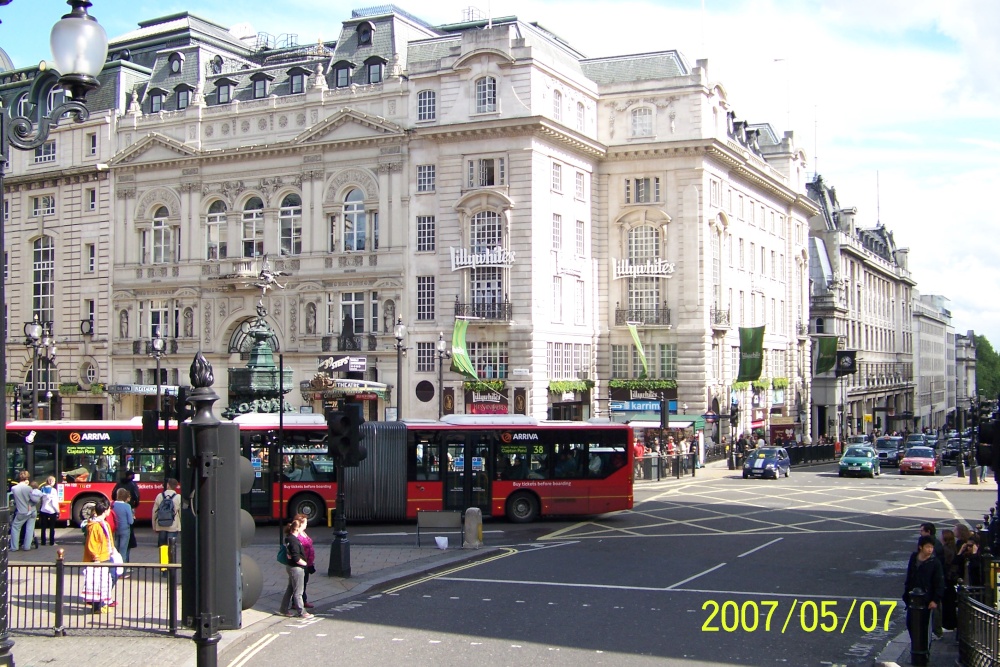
505 465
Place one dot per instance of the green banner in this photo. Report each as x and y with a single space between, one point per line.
827 357
751 353
638 346
460 362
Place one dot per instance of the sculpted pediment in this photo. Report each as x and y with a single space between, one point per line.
349 125
154 147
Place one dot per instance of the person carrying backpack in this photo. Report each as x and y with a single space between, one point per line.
167 513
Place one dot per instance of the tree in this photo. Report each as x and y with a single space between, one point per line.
987 369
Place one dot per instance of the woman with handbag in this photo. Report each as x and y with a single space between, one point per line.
310 554
291 601
97 546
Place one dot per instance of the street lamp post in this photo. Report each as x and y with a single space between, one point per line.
443 354
80 47
158 344
33 339
48 348
400 334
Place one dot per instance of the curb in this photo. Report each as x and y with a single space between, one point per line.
894 651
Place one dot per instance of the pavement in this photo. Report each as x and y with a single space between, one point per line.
372 566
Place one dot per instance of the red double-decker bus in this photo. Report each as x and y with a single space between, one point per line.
505 465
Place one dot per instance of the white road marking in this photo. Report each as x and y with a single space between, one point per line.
252 650
747 553
700 574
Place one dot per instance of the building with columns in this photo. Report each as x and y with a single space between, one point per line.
862 293
483 171
934 352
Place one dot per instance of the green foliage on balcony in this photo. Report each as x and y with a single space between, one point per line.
477 385
11 388
68 388
763 383
741 386
563 386
642 384
97 388
780 383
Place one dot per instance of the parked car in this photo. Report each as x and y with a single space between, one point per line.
890 450
859 460
924 460
767 462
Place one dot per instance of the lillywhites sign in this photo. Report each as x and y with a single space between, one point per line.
624 268
463 259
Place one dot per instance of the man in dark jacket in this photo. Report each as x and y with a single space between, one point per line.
925 572
128 483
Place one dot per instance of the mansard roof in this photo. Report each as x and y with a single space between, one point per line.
636 67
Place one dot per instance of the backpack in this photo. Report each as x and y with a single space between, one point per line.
166 512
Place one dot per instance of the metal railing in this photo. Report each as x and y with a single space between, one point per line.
500 310
646 316
978 630
46 598
720 318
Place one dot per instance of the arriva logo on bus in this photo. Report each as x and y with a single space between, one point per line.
76 437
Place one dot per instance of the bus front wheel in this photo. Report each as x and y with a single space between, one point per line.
83 509
310 505
522 507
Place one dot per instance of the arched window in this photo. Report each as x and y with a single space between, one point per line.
163 237
486 95
642 122
644 291
581 117
21 107
354 221
290 221
253 228
486 283
716 269
43 280
216 235
557 105
820 325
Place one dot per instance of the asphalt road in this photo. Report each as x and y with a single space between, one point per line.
799 571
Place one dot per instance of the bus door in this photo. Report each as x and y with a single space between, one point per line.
467 480
258 447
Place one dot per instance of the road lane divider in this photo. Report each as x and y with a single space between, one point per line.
443 574
252 650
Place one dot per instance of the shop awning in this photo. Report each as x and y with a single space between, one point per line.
342 388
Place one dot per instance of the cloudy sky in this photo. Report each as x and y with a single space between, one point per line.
896 102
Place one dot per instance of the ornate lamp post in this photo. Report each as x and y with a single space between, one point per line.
158 345
80 47
400 334
443 353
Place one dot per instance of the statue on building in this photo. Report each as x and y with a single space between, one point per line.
389 316
310 318
188 323
123 325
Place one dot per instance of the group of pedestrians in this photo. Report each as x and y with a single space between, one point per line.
933 573
33 503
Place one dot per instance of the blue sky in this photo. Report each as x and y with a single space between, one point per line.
903 93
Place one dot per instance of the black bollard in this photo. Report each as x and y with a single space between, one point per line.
918 620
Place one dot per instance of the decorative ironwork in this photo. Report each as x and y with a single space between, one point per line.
498 311
648 316
720 318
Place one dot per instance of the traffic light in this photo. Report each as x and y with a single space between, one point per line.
734 418
234 576
344 435
27 403
182 409
150 427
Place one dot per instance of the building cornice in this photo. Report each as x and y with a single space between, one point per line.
514 127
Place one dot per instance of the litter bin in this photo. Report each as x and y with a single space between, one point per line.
650 470
918 620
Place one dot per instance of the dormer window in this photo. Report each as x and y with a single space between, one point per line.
365 32
175 62
183 96
297 80
375 67
156 98
259 84
224 90
217 65
342 73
